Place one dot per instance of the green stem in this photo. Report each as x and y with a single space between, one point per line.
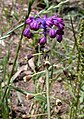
76 44
18 48
47 91
37 115
38 63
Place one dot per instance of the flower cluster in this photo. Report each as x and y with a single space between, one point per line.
47 24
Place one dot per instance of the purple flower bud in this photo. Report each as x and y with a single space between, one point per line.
27 33
58 24
52 33
55 22
29 20
49 23
59 19
61 26
53 17
43 40
59 38
60 32
34 25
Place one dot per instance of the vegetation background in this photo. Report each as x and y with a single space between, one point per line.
41 88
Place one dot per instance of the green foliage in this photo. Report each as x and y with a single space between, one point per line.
67 56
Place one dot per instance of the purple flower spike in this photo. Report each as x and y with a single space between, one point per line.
34 25
46 25
52 33
43 40
59 38
27 33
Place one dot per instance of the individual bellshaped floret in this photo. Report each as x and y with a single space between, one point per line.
60 32
34 25
59 38
43 40
52 33
27 33
29 20
49 23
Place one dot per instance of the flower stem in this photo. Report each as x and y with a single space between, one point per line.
38 63
47 91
